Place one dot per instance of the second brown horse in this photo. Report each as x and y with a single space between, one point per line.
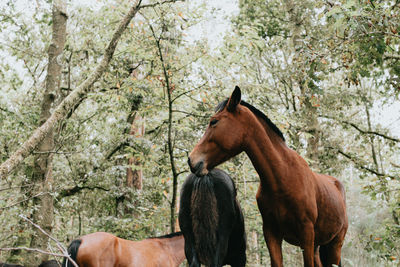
297 205
102 249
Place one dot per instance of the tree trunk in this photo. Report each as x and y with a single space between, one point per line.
309 109
70 101
43 212
169 88
134 177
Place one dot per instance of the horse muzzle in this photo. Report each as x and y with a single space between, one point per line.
198 169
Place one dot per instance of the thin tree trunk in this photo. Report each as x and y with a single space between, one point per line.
309 109
69 102
134 177
43 213
170 145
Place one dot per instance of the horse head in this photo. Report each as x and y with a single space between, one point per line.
223 138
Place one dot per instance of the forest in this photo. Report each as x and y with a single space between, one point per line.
101 102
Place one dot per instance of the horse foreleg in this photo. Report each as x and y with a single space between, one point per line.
274 244
308 245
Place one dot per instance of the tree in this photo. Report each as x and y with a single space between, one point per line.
43 166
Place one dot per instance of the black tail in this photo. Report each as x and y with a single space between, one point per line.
73 252
205 216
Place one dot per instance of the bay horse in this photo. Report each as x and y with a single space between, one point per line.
211 221
102 249
297 205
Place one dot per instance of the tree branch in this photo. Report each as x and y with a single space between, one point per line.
59 245
360 166
33 250
76 189
358 128
160 3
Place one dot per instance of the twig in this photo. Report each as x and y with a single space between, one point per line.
160 3
59 245
14 187
34 250
358 128
19 202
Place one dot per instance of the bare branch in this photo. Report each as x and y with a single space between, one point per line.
358 128
22 201
76 189
160 3
363 167
33 250
59 245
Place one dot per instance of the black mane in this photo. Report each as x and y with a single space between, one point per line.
171 235
256 112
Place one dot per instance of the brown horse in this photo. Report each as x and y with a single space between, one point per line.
297 205
106 250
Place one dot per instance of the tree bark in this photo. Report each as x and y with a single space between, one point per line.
134 177
43 213
68 103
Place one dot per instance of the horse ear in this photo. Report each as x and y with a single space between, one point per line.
235 99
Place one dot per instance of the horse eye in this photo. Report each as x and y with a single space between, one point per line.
213 122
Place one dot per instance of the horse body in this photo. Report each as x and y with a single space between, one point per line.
211 221
102 249
297 205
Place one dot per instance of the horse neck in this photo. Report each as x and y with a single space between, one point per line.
176 247
268 153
